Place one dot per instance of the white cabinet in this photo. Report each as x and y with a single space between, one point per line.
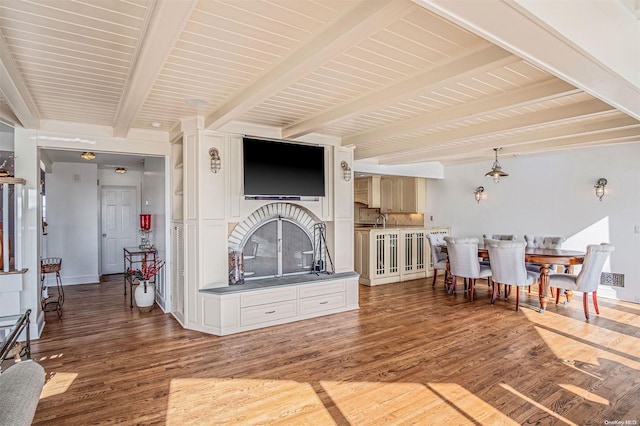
366 190
399 194
384 256
228 311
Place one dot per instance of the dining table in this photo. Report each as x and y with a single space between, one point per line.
546 259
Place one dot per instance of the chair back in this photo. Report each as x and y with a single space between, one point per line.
436 240
507 261
502 237
542 241
463 257
589 276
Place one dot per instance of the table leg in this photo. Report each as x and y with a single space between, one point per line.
544 286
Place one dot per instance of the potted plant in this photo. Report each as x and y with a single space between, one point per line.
145 293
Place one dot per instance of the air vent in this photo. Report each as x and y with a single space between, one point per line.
612 279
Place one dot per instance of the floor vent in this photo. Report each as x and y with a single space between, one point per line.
612 279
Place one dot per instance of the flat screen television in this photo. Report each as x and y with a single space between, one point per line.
279 169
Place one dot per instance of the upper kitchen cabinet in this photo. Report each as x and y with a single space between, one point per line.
400 194
367 191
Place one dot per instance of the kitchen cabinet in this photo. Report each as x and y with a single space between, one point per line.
401 194
384 256
367 191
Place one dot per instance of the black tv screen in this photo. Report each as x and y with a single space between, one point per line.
282 169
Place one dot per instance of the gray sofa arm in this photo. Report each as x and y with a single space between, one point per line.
20 389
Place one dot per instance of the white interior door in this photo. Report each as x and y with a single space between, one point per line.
119 225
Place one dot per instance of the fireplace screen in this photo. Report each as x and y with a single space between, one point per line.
278 247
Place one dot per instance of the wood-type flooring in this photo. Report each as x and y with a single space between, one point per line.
411 355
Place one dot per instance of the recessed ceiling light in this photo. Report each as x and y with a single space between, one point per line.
156 124
88 155
196 102
120 170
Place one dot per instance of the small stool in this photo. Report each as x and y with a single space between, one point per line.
51 265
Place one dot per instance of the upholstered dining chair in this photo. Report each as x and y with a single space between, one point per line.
588 278
438 258
502 237
463 262
507 266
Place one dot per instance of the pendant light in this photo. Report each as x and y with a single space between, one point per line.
496 171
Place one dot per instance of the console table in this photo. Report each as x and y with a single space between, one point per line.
133 256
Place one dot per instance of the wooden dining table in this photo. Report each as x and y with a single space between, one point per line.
546 258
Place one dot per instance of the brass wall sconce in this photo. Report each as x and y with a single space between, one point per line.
120 170
346 171
477 194
599 186
496 170
216 162
88 155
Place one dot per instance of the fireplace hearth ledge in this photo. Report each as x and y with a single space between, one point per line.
291 280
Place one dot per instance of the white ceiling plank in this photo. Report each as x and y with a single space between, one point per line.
552 115
15 91
537 41
7 116
536 93
166 24
461 67
355 25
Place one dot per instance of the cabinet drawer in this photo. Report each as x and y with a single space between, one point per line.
321 288
267 313
267 296
326 302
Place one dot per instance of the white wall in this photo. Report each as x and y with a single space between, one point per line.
552 195
72 217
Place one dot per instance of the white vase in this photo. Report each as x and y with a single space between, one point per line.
145 295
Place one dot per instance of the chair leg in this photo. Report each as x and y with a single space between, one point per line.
557 296
495 292
595 303
585 305
435 274
472 283
517 298
452 289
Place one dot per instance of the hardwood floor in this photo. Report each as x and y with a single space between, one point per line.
410 355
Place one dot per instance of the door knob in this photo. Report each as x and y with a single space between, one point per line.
104 235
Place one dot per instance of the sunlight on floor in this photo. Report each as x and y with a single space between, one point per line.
244 401
569 339
540 406
584 393
57 384
253 401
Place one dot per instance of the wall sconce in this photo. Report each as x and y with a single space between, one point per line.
88 155
346 171
216 163
599 186
120 170
477 194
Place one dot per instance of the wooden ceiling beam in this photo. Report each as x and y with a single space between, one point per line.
358 23
166 23
15 91
540 92
485 59
549 116
614 121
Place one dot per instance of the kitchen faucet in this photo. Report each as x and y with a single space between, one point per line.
384 220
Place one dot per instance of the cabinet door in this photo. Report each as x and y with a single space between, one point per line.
413 260
386 249
390 194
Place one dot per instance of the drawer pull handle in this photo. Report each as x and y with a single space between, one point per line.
270 312
324 303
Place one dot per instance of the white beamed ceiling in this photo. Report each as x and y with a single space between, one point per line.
393 79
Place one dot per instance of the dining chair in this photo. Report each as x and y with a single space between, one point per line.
463 262
500 237
587 279
438 258
508 268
